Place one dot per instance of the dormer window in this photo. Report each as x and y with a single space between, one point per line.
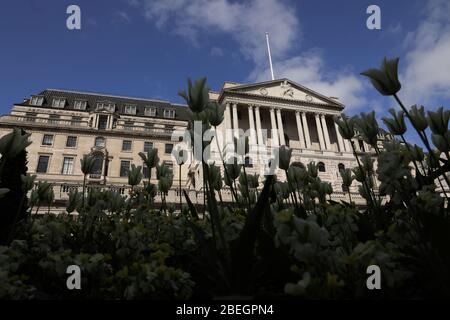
169 113
109 106
79 105
37 101
130 109
150 111
59 103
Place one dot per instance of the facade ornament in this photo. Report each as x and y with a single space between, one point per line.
286 89
263 91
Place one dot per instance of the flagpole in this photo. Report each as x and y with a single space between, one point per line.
270 56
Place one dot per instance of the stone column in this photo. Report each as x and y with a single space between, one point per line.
258 126
280 128
339 138
325 132
235 121
300 130
274 131
228 127
251 121
320 132
348 146
306 128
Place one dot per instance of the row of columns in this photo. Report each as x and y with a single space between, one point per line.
231 124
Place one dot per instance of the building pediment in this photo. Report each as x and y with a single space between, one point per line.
282 89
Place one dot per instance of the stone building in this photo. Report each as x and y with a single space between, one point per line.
65 125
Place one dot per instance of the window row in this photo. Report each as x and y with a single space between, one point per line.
80 104
100 142
97 168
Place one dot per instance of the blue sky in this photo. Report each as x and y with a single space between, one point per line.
148 48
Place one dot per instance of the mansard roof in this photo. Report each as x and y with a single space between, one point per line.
181 111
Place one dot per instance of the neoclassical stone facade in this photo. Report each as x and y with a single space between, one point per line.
65 125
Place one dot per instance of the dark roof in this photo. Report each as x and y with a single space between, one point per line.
181 111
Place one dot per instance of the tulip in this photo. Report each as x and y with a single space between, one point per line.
345 127
197 97
368 127
150 159
417 153
367 163
347 178
3 192
396 125
215 113
162 171
233 169
438 121
216 178
284 154
165 183
385 79
87 163
417 117
27 182
134 175
442 142
360 174
74 201
13 143
312 170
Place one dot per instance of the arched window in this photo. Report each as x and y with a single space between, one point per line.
100 142
97 166
321 166
341 167
298 164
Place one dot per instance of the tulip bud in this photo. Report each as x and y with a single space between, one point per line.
284 154
417 117
438 121
368 127
442 142
150 159
197 97
347 178
385 79
215 113
345 127
134 175
87 163
396 125
13 143
27 182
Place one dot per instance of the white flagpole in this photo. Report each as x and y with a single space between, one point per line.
270 56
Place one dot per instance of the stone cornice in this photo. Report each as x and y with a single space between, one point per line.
284 104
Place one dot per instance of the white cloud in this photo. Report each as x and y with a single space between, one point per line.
246 22
309 70
123 15
426 79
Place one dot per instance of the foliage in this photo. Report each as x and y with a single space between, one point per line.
284 239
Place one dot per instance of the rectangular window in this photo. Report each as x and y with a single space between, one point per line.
102 122
128 125
67 165
47 140
124 168
79 105
106 106
76 121
126 145
130 109
150 111
71 142
145 171
59 103
148 146
53 119
169 113
37 101
42 164
30 116
168 148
